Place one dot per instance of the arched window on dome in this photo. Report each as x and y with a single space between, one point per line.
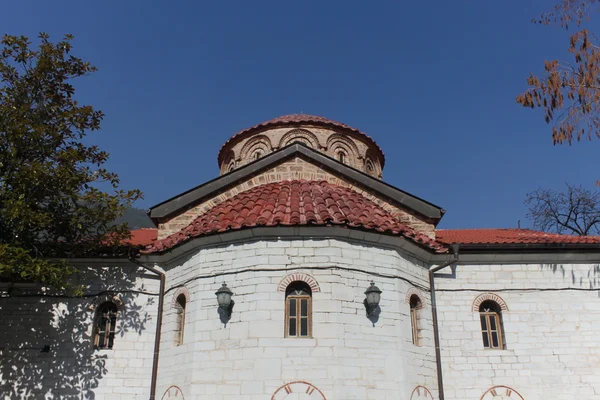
415 306
105 324
492 333
341 157
257 155
369 167
298 310
181 303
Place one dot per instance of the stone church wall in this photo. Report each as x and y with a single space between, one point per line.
552 343
71 368
249 359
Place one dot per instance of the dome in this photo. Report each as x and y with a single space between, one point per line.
335 139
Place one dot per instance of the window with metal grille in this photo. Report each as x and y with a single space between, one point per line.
298 310
415 306
181 302
491 325
105 325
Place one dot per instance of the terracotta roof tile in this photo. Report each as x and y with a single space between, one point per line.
294 119
297 202
142 237
509 236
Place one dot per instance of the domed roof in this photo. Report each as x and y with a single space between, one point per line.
295 203
296 119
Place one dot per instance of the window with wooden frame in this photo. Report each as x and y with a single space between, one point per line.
105 324
491 325
298 310
415 306
181 302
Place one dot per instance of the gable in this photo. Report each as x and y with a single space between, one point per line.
293 162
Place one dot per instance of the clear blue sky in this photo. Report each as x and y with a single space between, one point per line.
433 82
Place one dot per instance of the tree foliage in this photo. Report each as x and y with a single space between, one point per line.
569 92
51 202
574 211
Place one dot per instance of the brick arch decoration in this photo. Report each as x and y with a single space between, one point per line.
344 142
415 292
180 291
307 136
227 160
261 142
173 392
113 298
372 157
504 392
302 277
421 392
298 387
489 296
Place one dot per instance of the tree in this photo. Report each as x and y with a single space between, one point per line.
51 203
569 92
575 211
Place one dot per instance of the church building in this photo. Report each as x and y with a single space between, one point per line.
299 274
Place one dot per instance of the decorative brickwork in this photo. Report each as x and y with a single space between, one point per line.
489 296
415 292
257 145
300 135
356 148
501 392
180 291
290 170
293 389
312 282
173 392
116 299
421 393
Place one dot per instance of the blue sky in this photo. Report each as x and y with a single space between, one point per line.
434 83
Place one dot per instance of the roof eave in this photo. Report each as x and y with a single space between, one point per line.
195 195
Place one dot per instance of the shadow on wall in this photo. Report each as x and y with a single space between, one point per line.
46 342
589 278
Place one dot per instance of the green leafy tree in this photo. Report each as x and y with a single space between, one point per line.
52 205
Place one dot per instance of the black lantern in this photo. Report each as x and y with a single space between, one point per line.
372 298
225 303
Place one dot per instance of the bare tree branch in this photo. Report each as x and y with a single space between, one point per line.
574 211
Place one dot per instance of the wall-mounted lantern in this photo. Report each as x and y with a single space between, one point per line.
225 303
372 298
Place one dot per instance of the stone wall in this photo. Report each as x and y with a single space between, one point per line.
347 357
358 153
551 323
69 367
289 170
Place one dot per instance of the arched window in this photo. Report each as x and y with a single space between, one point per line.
341 157
181 302
298 310
257 155
105 324
415 306
490 315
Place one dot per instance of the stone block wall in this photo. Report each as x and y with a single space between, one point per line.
69 367
551 326
347 357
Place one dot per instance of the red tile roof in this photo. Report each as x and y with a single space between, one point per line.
508 236
294 119
297 202
142 237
